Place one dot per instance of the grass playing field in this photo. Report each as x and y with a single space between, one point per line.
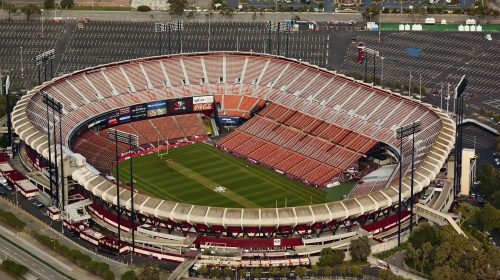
193 173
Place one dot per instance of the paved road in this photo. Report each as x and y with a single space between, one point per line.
242 17
37 268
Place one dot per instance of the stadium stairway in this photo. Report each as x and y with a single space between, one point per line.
182 270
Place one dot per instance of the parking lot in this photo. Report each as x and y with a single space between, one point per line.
103 42
419 3
444 57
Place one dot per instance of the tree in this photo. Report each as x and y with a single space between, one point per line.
360 248
215 273
301 271
372 11
488 218
67 4
49 4
257 272
490 180
466 211
10 8
228 272
29 10
242 273
426 250
285 271
177 7
149 271
412 254
203 271
423 233
274 271
143 8
315 270
13 268
356 271
328 271
129 275
329 257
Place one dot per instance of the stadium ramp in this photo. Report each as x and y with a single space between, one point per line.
437 217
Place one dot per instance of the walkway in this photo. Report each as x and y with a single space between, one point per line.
437 217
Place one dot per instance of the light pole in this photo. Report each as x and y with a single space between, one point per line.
132 140
287 28
22 64
209 15
56 107
382 74
459 94
401 133
41 10
160 27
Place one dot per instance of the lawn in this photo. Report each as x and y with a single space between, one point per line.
191 174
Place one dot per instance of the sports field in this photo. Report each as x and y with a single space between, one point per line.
201 174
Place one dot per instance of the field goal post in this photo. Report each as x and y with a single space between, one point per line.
162 154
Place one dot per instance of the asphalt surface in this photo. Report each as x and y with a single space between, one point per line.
37 268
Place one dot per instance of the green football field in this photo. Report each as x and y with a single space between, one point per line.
197 173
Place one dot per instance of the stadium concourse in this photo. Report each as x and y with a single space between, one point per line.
306 118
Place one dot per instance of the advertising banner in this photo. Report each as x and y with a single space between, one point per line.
203 103
229 120
157 108
123 115
104 120
138 112
180 106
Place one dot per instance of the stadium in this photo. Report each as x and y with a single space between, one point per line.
259 188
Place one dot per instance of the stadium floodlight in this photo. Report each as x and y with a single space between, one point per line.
459 116
160 27
401 133
133 141
5 87
273 26
287 28
176 25
57 107
42 59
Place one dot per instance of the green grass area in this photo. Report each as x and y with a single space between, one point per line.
337 192
191 173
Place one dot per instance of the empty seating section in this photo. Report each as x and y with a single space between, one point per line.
324 121
294 150
100 152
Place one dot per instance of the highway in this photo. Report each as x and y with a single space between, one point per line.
37 267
